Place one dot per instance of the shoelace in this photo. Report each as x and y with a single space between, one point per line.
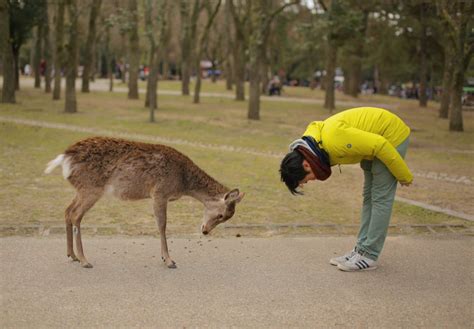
349 256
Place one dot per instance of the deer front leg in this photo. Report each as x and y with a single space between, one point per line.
160 216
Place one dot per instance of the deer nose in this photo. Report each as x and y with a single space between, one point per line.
205 232
204 229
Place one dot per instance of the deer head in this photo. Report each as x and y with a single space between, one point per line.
220 210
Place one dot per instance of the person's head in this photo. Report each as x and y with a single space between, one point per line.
295 171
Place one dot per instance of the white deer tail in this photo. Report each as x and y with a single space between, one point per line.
59 160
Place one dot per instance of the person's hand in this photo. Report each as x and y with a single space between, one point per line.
405 183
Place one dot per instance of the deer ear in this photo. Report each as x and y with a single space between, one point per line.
233 196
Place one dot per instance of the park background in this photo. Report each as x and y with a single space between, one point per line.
231 84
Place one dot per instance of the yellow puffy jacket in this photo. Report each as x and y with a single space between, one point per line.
363 133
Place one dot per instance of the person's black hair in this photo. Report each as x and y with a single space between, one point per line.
292 171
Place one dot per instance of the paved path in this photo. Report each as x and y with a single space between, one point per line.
273 282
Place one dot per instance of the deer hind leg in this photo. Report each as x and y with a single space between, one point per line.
81 206
159 208
68 215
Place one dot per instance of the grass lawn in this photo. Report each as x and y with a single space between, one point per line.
437 157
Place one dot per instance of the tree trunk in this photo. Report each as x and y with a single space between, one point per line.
214 70
423 97
152 86
423 78
58 57
166 69
228 74
197 86
264 74
150 33
455 118
89 46
239 69
446 86
461 62
188 35
8 88
347 79
38 55
124 58
109 63
149 86
47 51
16 59
185 46
380 82
256 52
202 46
238 53
185 78
354 82
70 105
134 52
329 100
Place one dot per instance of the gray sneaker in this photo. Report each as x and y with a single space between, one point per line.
342 259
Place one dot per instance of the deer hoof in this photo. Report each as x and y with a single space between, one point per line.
74 258
87 265
172 265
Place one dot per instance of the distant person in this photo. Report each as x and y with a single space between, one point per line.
274 86
42 67
27 70
373 137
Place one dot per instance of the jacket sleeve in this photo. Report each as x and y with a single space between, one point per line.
356 142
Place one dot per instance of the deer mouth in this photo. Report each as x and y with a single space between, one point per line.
204 230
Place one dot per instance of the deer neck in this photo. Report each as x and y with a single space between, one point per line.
203 187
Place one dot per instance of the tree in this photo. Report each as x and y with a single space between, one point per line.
59 48
134 50
24 15
229 46
202 46
38 53
458 17
188 36
446 85
8 89
341 26
240 15
109 63
354 48
152 28
70 105
90 45
46 50
261 19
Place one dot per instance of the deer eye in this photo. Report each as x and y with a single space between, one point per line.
219 216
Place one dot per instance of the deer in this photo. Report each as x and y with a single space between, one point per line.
130 170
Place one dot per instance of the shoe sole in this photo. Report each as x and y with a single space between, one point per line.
348 269
333 262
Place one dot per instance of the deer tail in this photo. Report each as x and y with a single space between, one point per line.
59 160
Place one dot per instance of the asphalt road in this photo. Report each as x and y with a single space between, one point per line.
240 282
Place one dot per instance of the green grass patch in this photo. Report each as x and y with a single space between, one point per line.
30 197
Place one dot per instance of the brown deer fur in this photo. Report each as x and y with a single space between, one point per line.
133 171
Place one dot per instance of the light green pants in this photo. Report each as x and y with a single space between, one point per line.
379 193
